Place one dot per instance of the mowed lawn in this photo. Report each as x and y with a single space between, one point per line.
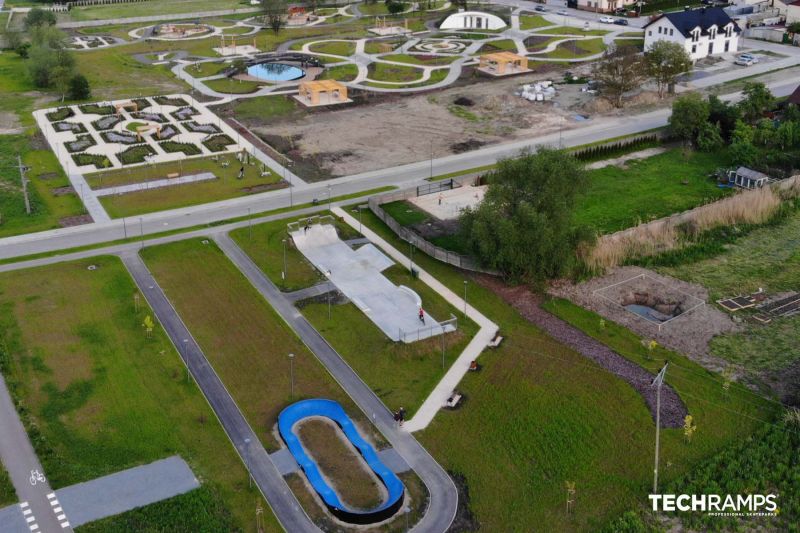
241 335
539 415
7 493
401 374
98 396
648 189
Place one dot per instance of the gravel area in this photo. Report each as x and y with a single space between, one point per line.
527 303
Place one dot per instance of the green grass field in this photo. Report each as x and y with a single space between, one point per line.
420 59
769 258
45 175
203 70
336 48
347 72
576 49
530 22
539 415
98 396
648 189
151 8
402 375
502 45
7 493
227 185
232 86
571 30
393 73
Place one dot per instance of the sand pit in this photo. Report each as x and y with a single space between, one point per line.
448 205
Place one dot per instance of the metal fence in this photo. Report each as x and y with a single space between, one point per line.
437 252
429 331
309 221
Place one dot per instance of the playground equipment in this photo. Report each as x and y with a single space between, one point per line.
382 27
230 45
147 128
335 412
233 41
126 105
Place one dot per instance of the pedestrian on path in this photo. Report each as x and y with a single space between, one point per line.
421 315
402 414
241 172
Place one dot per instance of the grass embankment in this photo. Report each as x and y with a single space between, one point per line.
570 30
530 22
407 214
539 415
340 463
420 59
334 48
7 493
98 396
232 86
768 257
401 374
114 11
577 49
203 70
266 108
347 72
227 185
50 202
244 339
393 73
648 189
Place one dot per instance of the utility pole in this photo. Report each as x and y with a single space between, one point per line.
22 170
283 274
291 374
658 381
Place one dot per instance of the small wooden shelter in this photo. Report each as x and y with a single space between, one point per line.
501 62
311 90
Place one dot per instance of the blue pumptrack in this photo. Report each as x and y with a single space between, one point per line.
334 411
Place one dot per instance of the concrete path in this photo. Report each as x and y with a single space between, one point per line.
310 292
155 184
126 490
357 274
443 493
156 18
488 329
393 460
88 197
268 479
12 520
20 461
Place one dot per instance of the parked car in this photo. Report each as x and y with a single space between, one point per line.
562 12
621 22
744 61
607 20
748 57
540 9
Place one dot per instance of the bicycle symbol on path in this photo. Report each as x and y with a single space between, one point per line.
37 477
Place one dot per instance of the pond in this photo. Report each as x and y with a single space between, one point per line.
275 72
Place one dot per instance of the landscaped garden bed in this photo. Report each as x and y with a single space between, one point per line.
152 117
95 109
218 143
185 148
83 159
60 114
107 122
74 127
194 127
81 143
165 100
184 113
135 154
121 137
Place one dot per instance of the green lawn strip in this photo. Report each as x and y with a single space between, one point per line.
639 33
380 46
577 48
648 189
347 72
436 76
17 93
98 396
393 73
203 70
267 107
420 59
570 30
114 11
537 43
232 86
244 339
542 415
405 213
50 199
502 45
342 198
7 493
336 48
638 43
401 374
227 185
767 258
530 22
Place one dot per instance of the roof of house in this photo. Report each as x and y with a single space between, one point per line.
704 17
751 174
794 98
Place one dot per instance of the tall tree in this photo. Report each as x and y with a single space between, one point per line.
757 100
666 61
689 112
39 17
724 114
524 228
742 150
275 13
620 70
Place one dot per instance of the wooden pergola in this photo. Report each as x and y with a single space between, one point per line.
312 89
500 61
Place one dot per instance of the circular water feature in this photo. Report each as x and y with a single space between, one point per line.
275 72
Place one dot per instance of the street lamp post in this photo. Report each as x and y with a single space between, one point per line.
247 461
465 298
291 375
329 197
283 274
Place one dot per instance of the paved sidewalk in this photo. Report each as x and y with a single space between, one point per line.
12 520
20 460
126 490
452 378
155 184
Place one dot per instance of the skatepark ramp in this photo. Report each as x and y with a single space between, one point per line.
335 412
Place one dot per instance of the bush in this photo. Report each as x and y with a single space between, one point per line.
79 88
99 161
218 143
186 148
95 109
60 114
607 151
135 154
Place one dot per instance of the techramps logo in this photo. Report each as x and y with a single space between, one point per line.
748 505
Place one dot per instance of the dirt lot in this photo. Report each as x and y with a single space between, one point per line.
410 128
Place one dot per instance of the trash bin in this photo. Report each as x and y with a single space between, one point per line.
414 273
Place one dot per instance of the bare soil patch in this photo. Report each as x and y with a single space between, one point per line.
77 220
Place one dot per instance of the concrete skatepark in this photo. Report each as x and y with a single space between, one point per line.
357 274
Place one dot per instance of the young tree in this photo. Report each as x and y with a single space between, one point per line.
523 228
666 61
149 325
60 77
689 427
39 17
689 113
620 70
724 114
275 13
41 62
757 100
395 7
79 88
794 27
741 149
709 138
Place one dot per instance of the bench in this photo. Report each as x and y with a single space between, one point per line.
453 400
494 343
173 175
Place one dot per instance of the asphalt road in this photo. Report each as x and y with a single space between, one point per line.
20 459
269 481
443 494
